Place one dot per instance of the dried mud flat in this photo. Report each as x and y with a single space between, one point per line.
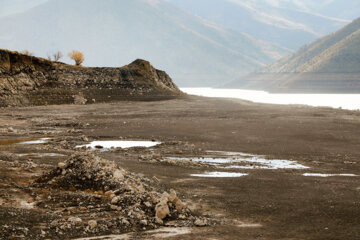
49 189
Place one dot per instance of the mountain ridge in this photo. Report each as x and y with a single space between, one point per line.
314 49
327 65
287 26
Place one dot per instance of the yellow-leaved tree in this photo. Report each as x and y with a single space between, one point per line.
77 56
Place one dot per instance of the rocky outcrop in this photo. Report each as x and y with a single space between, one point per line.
27 80
122 203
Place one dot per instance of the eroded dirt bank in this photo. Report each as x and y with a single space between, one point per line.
28 81
267 203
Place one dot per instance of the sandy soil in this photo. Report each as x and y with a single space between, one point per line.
265 204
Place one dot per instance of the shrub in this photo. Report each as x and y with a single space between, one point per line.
77 56
27 53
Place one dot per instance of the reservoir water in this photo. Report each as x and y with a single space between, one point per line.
344 101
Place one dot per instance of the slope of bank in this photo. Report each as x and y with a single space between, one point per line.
328 65
27 80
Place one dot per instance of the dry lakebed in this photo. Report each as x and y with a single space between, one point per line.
188 168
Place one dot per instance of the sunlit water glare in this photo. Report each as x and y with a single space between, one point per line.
344 101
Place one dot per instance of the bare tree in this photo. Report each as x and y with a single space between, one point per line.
57 56
77 56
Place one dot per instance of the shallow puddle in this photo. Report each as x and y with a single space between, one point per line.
38 141
6 142
41 155
107 145
328 175
232 153
249 225
211 161
244 161
220 175
261 163
161 233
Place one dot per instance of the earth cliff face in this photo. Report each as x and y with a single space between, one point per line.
27 80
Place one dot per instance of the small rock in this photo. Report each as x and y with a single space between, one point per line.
148 204
144 222
75 220
201 222
84 138
118 175
53 223
180 205
141 188
172 224
109 194
61 165
11 130
172 197
164 197
125 222
116 208
92 224
162 210
79 99
115 200
159 221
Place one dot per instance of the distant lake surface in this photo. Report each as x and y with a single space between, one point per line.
344 101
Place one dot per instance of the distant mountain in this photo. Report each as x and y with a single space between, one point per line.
344 9
330 64
112 33
288 23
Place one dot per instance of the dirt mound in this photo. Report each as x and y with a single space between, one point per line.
27 80
130 201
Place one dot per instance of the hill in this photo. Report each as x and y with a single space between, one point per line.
27 80
329 64
113 33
